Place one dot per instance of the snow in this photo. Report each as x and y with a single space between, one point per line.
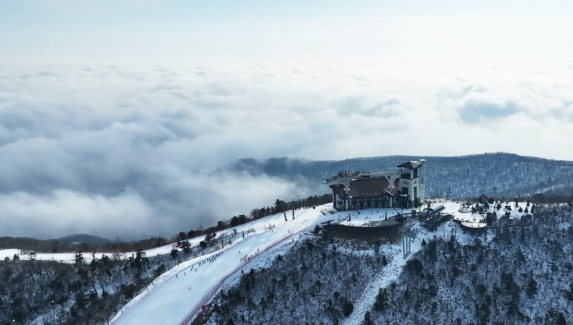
354 223
258 226
474 224
169 299
395 266
469 217
397 261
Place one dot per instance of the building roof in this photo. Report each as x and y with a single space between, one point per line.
410 164
370 187
338 189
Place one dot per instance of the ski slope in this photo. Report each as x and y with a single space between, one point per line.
173 298
176 292
258 225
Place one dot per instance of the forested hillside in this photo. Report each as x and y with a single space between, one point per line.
523 276
50 292
497 174
314 282
511 275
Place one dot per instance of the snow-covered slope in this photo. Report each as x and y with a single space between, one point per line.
175 296
179 290
258 226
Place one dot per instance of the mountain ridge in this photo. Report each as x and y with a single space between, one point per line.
456 177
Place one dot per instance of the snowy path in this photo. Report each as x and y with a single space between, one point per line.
391 272
171 299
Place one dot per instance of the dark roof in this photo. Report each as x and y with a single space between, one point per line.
410 164
369 187
338 189
366 188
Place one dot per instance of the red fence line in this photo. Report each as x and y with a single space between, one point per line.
209 294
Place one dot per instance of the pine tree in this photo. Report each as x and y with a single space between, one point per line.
80 301
561 319
347 308
532 288
186 245
381 300
368 319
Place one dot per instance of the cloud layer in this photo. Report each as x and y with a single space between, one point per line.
129 150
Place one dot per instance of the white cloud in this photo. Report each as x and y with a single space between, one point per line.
93 143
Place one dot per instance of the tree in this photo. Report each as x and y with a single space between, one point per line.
174 253
181 236
368 319
381 300
561 319
234 222
220 225
6 259
532 288
347 308
186 245
424 243
80 301
415 265
192 233
254 213
79 257
279 203
203 244
316 230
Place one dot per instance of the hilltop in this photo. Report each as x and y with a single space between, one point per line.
458 177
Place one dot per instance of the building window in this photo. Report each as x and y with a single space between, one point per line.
404 190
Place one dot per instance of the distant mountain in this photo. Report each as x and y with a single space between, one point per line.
83 238
495 174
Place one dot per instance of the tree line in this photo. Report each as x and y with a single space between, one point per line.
27 244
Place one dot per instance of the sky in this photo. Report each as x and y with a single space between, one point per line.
114 115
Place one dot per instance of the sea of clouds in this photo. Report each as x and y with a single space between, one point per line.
131 150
